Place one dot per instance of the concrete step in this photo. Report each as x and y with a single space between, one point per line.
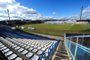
59 58
61 49
61 55
61 46
64 52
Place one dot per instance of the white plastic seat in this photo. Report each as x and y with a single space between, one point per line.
39 47
12 56
8 53
35 46
39 52
18 58
17 48
24 52
23 45
3 48
10 45
32 45
19 43
31 48
6 50
14 46
29 54
35 57
43 49
1 44
21 49
27 47
35 50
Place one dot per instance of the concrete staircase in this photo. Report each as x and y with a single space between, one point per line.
61 53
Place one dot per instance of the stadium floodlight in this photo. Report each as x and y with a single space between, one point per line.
8 14
81 12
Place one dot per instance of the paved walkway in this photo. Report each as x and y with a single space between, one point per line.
49 36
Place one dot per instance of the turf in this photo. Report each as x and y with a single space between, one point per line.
57 29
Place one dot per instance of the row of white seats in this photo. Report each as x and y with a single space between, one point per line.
36 42
8 53
29 48
21 50
33 48
26 42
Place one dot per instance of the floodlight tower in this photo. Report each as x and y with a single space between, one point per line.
8 14
81 13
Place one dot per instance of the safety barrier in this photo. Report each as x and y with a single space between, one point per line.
51 51
76 50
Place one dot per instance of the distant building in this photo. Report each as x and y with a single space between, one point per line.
54 22
83 22
61 22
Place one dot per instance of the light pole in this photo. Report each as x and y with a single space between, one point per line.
8 14
81 12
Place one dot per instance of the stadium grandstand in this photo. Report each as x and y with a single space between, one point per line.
19 45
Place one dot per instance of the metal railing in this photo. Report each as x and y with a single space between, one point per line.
50 52
77 50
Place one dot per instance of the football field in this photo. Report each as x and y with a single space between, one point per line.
56 29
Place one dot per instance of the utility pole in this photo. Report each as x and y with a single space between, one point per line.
81 13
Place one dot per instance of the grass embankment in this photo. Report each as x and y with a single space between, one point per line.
56 29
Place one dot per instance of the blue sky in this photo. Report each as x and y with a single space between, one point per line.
56 8
44 9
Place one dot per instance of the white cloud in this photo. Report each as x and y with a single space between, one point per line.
86 13
87 9
17 10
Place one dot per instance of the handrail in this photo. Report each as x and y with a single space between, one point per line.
76 50
80 36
